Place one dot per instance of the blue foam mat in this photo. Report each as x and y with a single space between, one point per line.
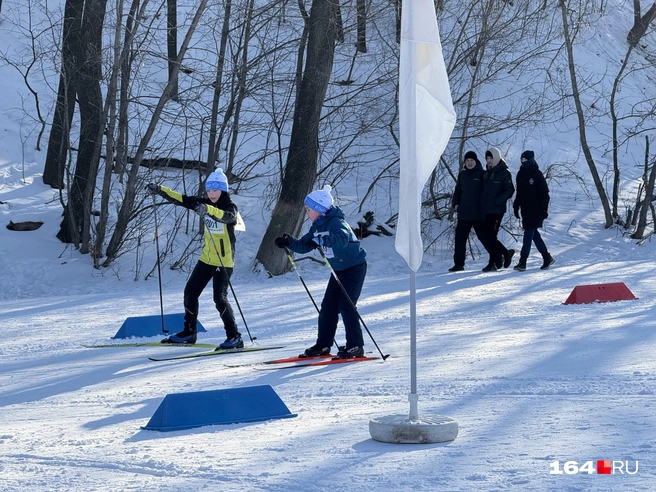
180 411
150 326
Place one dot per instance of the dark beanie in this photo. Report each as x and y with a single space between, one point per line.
471 155
528 155
488 154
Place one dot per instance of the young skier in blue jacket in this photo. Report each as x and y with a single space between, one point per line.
331 233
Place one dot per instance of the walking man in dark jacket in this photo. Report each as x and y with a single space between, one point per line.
467 204
533 201
497 190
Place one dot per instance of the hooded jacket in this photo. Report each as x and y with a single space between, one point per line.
532 195
497 185
337 240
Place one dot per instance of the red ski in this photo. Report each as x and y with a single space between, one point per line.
317 363
286 360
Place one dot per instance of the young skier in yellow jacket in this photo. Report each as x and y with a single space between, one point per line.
216 260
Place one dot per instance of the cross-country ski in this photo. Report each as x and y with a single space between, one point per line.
211 353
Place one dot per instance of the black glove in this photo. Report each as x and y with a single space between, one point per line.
284 241
517 213
153 188
201 209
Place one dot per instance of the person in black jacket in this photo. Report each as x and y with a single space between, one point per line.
533 201
467 204
497 190
216 260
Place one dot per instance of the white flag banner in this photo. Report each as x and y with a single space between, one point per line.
426 119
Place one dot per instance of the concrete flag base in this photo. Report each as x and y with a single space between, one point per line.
399 429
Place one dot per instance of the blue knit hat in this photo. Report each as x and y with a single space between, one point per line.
217 181
320 200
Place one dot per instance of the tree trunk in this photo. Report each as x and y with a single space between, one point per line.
361 43
87 78
579 112
58 141
645 206
241 88
127 204
615 122
131 24
172 44
301 166
640 24
213 144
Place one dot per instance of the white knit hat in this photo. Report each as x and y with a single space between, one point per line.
217 181
320 200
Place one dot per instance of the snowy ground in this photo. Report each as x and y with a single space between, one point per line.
529 380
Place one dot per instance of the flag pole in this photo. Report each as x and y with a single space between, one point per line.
426 121
413 397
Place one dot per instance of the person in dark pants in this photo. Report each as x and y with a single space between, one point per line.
467 204
497 190
216 260
533 201
331 233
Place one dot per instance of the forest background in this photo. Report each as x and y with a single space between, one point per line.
287 96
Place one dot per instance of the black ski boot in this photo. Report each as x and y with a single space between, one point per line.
351 353
548 261
315 350
521 266
185 337
491 267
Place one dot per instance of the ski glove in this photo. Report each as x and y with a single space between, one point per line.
201 209
284 241
153 188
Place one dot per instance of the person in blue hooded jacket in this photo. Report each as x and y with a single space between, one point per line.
331 233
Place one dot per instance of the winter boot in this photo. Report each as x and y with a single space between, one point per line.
456 268
548 261
234 342
186 336
350 353
499 262
507 258
491 267
521 266
315 350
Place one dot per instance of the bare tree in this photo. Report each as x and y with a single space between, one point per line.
640 23
87 51
301 166
648 180
172 43
126 210
581 118
59 140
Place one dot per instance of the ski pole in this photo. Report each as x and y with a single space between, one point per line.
339 282
293 263
229 283
159 270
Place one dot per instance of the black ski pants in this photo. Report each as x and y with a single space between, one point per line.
335 303
492 224
463 228
197 282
